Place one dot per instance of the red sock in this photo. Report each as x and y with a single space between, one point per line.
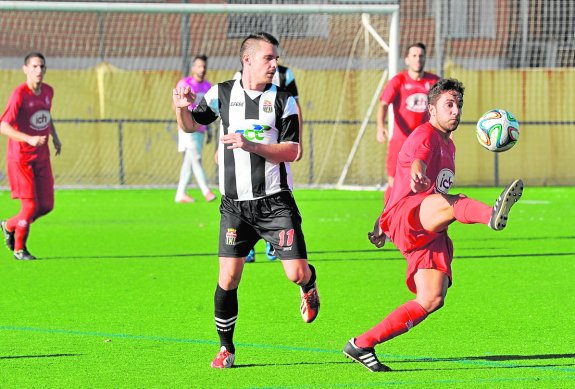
396 323
21 234
20 223
469 211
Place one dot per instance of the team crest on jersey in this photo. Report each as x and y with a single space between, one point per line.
231 235
40 120
267 106
444 181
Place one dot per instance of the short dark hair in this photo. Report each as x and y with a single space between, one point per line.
203 57
444 85
34 54
257 36
418 44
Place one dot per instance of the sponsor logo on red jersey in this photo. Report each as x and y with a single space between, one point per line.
416 102
444 181
40 120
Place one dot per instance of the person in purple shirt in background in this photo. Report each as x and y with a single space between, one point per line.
191 144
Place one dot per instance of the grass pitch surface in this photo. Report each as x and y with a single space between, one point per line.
123 297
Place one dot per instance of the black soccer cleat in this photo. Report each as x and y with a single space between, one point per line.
23 255
364 356
503 204
8 236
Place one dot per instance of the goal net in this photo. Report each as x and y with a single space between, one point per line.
113 66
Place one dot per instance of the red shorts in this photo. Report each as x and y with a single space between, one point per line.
31 180
422 249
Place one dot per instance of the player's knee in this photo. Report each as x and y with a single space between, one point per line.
432 303
297 275
27 212
435 303
229 281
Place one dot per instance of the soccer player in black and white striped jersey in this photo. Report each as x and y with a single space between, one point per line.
283 78
259 136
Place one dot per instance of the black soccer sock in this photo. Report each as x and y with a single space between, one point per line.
226 314
311 283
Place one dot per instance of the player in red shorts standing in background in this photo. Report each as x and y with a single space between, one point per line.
407 91
417 215
27 123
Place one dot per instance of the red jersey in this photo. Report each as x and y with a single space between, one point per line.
427 145
409 99
29 113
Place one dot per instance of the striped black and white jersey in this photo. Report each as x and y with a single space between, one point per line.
283 78
267 117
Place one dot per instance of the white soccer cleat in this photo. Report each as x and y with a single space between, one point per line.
503 204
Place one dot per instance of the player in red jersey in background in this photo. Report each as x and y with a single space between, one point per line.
27 123
407 91
417 215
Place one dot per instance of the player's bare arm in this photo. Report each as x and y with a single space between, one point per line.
419 181
182 98
300 120
12 133
382 133
276 153
56 140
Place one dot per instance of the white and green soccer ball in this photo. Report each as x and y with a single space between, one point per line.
497 130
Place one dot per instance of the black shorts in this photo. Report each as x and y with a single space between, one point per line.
275 218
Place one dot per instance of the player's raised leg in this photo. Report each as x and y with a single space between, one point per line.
438 211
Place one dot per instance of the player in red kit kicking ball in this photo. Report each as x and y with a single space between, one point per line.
28 124
417 215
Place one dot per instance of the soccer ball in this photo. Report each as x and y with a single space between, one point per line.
497 130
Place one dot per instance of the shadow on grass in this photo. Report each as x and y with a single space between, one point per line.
490 361
39 356
507 357
490 367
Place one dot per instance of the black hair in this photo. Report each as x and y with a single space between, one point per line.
203 57
258 36
34 54
418 44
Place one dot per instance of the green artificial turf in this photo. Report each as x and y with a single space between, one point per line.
123 297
